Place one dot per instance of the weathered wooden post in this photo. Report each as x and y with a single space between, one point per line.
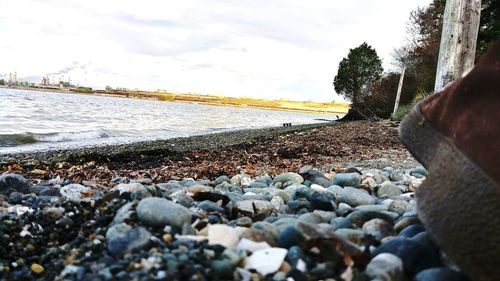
398 95
458 40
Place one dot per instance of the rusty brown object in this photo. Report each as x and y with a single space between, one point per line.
454 134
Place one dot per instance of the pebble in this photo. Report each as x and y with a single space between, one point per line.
122 238
15 197
251 207
75 192
415 256
396 175
385 267
354 235
411 230
347 179
341 222
13 182
359 217
220 234
251 246
37 269
222 179
155 211
128 187
388 190
355 197
289 177
378 228
266 261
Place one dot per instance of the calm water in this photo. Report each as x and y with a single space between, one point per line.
34 121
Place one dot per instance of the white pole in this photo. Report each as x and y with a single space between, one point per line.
398 95
458 40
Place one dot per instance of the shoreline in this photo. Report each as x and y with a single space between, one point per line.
164 146
271 151
180 98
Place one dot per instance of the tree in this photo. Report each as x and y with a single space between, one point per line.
489 27
381 100
2 82
420 54
358 73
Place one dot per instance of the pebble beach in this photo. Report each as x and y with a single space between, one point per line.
346 216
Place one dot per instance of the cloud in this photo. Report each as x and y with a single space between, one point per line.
261 48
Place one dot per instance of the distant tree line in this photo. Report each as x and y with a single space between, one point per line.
373 93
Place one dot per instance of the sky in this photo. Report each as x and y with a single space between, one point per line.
272 49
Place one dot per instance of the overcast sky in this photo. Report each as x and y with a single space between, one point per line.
261 48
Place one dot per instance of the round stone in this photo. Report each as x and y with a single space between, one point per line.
347 179
75 192
415 256
341 222
289 177
122 238
13 182
412 230
378 228
289 237
388 189
15 197
355 197
159 212
322 201
385 267
37 269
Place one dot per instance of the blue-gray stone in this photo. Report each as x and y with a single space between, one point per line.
411 230
440 274
415 256
347 179
359 217
293 256
51 191
122 238
419 170
388 189
385 267
301 203
122 214
289 237
322 201
159 212
188 182
378 228
222 179
341 222
354 235
258 184
221 270
15 197
396 175
355 197
209 206
289 177
13 182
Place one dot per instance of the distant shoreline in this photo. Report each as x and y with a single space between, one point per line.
279 105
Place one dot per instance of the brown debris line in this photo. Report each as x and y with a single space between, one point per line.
327 147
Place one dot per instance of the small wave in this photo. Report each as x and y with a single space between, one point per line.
72 136
28 138
16 139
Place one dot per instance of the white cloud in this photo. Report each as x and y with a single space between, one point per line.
270 49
